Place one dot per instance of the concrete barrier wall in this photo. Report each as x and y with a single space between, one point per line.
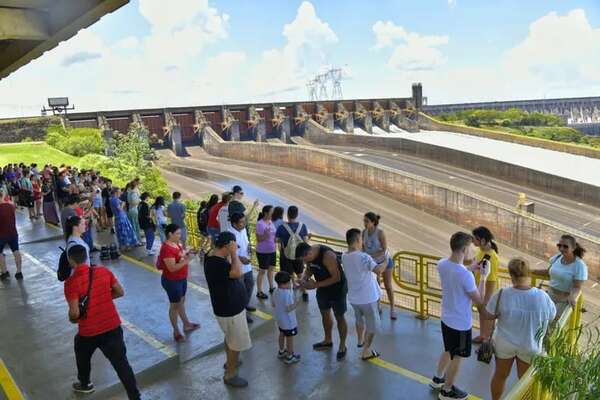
520 231
428 123
578 191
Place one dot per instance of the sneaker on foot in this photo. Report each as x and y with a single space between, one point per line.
19 275
292 359
453 394
81 388
261 295
236 382
150 252
281 354
437 383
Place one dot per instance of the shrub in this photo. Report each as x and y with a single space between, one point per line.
75 141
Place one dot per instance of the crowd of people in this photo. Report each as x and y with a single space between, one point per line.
515 318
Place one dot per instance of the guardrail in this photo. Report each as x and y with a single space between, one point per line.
418 289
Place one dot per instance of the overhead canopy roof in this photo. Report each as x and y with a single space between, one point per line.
28 28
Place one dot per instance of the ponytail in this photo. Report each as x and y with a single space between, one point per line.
484 233
374 218
264 212
578 251
494 246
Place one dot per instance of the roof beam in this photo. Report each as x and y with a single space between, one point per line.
23 24
65 18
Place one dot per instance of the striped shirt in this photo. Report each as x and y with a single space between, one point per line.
102 315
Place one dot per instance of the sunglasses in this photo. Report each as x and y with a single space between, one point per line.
562 246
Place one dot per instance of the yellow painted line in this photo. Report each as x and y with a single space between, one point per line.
407 373
9 386
146 337
262 314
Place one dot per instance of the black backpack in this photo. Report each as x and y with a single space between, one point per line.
64 268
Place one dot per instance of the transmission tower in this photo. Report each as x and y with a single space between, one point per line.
327 82
335 75
311 85
322 80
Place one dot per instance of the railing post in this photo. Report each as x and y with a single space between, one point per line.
421 274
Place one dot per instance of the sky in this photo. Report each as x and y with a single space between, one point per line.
153 53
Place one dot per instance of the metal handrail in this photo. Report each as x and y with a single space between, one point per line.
421 291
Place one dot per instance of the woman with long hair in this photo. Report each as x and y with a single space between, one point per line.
146 223
265 250
487 249
74 229
133 201
173 261
277 217
375 245
49 205
158 215
36 185
125 234
567 273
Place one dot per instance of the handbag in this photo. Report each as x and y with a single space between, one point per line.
85 300
486 350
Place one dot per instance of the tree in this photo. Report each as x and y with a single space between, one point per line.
133 147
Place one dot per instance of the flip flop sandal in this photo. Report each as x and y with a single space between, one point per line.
322 346
374 354
179 338
191 328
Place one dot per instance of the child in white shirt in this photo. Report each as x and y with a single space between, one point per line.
285 303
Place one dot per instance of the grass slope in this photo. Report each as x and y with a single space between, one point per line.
34 152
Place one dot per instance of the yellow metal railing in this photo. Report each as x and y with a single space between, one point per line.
418 289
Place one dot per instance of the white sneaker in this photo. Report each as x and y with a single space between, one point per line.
151 252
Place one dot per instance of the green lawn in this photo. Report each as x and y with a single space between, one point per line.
35 152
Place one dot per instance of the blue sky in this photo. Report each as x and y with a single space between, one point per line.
149 54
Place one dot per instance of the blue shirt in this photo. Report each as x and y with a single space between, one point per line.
563 275
176 211
282 298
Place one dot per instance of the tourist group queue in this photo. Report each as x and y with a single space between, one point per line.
514 316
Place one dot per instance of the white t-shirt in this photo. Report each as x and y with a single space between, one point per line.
223 219
362 282
457 282
281 298
160 216
521 314
241 239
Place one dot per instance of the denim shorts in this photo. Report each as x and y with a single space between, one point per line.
175 289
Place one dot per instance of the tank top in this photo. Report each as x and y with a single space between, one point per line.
373 245
321 273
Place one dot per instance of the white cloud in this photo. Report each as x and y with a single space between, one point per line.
410 51
154 70
130 42
286 69
559 51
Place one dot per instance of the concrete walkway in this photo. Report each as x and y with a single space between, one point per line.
37 344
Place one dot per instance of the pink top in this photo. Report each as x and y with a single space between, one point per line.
266 246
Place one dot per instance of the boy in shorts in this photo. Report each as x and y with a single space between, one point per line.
285 304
